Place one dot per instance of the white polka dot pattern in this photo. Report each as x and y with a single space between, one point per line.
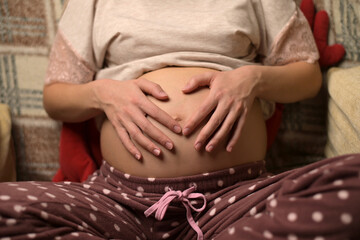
31 235
217 200
232 200
292 217
95 202
292 237
346 218
343 194
212 212
165 236
253 211
267 234
317 216
231 231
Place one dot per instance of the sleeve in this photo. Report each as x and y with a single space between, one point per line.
286 36
71 57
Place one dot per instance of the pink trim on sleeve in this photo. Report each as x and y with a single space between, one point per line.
294 43
65 65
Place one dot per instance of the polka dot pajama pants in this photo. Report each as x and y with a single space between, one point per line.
319 201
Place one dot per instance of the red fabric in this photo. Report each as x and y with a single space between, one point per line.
273 124
308 8
79 152
319 23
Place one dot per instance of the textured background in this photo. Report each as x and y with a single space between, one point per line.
303 134
27 29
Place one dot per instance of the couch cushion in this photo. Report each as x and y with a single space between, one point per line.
343 111
7 156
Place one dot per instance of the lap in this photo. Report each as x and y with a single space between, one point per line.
318 200
62 209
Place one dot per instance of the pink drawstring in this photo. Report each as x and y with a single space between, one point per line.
161 206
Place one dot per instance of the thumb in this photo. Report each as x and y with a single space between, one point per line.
152 88
197 81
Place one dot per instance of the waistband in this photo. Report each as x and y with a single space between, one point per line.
205 182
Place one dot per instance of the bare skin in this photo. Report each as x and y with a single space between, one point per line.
230 99
183 159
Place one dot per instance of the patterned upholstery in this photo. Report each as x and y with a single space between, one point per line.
26 34
346 24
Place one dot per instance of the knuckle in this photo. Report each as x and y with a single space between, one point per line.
135 135
217 122
238 107
193 80
135 100
122 132
222 94
219 94
124 110
228 126
215 141
146 127
202 110
204 135
119 114
155 111
149 146
157 87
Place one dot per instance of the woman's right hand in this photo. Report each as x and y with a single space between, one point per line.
126 106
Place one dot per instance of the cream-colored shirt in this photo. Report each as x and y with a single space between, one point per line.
121 39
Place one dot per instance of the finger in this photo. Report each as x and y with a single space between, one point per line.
153 132
204 110
237 131
198 81
224 130
128 144
159 115
137 135
212 125
152 89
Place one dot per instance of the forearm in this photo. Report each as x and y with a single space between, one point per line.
70 102
288 83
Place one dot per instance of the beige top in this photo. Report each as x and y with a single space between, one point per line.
120 39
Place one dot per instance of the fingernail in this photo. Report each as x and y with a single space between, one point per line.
137 156
162 93
186 131
156 152
185 87
198 146
209 148
229 149
177 129
169 145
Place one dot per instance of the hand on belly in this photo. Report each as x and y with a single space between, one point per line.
184 159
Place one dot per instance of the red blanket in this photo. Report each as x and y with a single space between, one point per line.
80 154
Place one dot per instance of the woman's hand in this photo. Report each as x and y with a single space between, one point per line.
126 106
231 96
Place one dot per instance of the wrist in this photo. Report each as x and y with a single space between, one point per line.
255 74
97 88
258 73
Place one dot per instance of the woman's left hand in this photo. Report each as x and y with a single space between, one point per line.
231 96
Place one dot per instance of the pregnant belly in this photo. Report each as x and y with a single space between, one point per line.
184 159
